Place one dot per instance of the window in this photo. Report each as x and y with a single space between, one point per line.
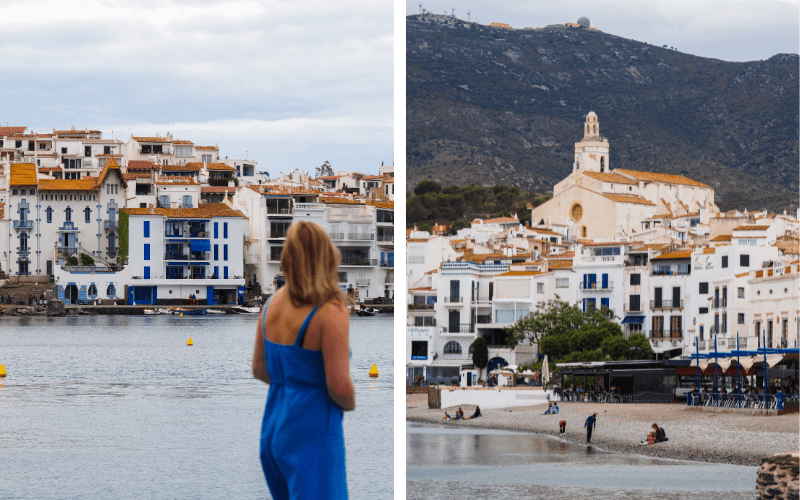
92 291
87 151
539 287
106 150
49 212
147 272
49 267
275 253
187 201
146 229
224 229
419 349
562 283
88 213
636 279
704 288
224 252
605 302
724 261
342 277
634 303
740 318
703 310
724 322
206 158
216 230
452 347
111 291
741 292
744 260
216 252
142 294
68 213
225 271
14 192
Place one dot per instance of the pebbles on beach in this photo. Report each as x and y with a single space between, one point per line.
706 437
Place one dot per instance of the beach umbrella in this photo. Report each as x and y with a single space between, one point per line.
545 372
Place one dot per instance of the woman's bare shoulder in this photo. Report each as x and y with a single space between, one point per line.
334 310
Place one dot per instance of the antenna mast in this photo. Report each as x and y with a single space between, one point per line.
468 16
420 8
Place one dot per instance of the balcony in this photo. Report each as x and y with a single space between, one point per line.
385 238
483 319
600 287
111 252
360 236
632 308
664 334
25 224
68 250
461 328
309 206
350 217
279 211
666 304
421 307
659 272
359 262
24 252
389 280
600 259
387 263
453 300
720 303
336 236
362 282
110 225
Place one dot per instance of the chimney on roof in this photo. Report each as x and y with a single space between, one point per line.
152 210
231 183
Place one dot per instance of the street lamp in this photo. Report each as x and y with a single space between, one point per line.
635 349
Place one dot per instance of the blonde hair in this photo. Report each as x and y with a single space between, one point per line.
310 263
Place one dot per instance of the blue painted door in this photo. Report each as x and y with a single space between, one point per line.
605 281
210 294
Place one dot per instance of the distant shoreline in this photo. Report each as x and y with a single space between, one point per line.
696 436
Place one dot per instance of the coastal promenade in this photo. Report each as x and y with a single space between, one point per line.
706 437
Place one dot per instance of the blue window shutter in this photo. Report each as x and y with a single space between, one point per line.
216 271
224 229
147 251
216 230
216 252
146 229
225 252
147 272
225 269
605 281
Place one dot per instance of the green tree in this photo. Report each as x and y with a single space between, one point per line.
615 347
427 187
87 260
73 261
480 355
553 317
324 169
640 341
425 227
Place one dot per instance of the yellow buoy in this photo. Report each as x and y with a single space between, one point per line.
373 372
2 370
189 342
181 315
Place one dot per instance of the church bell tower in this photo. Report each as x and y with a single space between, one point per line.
591 153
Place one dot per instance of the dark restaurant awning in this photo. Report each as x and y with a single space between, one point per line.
633 320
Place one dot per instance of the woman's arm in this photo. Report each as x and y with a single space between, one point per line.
259 358
336 355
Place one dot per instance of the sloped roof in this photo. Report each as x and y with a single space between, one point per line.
389 205
219 189
677 254
663 178
722 238
500 220
6 131
111 164
150 139
628 198
609 177
520 273
189 167
709 250
207 148
204 210
750 228
142 165
85 184
559 264
23 174
212 166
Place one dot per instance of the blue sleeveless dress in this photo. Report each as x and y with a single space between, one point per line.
302 442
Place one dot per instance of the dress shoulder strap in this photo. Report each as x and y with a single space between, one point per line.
302 333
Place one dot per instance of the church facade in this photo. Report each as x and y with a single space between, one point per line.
598 202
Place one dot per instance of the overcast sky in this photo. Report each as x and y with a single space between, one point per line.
733 30
287 83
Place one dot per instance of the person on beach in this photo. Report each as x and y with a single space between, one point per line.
549 409
460 414
446 417
474 415
302 351
657 435
590 424
562 427
555 407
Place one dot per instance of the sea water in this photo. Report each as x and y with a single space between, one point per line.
121 407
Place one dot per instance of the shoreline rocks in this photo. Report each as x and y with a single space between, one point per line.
778 477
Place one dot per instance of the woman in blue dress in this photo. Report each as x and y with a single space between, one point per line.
302 352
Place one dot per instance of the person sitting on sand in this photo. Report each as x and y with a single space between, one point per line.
555 408
549 409
459 414
446 417
657 435
474 415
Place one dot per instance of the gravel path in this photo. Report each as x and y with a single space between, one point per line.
707 437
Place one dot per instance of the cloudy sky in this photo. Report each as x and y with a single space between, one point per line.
287 83
732 30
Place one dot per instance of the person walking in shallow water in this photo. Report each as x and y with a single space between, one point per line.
302 351
590 423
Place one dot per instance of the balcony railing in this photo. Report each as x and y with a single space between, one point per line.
362 282
666 304
274 235
360 236
664 334
720 303
336 236
387 263
279 211
111 224
461 328
25 224
386 238
345 217
454 300
68 250
421 307
309 206
359 262
596 286
483 319
659 272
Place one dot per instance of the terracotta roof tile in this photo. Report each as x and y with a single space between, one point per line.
207 148
213 166
709 250
142 165
559 264
663 178
6 131
151 139
204 210
520 273
628 198
500 220
23 174
219 189
750 228
176 180
85 184
189 167
336 200
389 205
111 164
183 143
722 238
609 177
676 254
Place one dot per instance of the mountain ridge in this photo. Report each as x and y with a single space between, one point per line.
491 105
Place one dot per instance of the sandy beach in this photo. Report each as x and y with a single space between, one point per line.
707 437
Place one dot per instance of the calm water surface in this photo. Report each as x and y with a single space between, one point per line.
120 407
448 463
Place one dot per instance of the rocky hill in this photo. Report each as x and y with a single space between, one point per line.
491 105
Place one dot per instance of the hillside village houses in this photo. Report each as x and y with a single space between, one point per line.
164 219
652 248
